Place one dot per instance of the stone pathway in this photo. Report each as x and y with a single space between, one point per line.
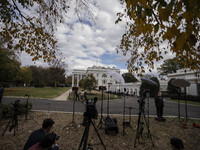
64 96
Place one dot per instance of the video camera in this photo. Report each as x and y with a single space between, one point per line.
141 102
16 103
144 92
91 110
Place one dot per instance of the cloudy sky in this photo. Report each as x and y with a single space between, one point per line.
90 42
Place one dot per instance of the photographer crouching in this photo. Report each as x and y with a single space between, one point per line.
39 135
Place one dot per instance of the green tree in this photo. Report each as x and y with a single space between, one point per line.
56 72
129 77
154 89
69 80
56 76
89 83
39 75
25 76
9 66
152 24
29 25
169 66
170 88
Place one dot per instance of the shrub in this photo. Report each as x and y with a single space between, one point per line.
39 85
6 110
187 97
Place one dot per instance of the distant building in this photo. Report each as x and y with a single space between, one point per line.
163 85
100 73
104 79
192 77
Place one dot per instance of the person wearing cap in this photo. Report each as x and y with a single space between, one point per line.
37 135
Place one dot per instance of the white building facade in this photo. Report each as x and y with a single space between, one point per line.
104 79
192 77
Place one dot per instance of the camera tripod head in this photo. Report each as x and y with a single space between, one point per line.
91 111
141 102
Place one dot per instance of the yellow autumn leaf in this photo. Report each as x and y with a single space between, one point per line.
128 3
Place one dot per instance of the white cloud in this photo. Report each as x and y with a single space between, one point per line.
84 43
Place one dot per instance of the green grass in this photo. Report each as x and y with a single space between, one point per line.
182 101
46 92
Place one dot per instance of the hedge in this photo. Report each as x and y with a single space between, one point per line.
187 97
7 110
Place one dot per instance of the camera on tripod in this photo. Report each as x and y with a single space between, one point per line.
141 101
16 104
91 110
144 92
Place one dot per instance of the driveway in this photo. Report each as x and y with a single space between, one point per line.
115 106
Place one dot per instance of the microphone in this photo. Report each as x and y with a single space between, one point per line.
149 81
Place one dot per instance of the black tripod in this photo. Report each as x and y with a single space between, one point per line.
26 114
13 119
101 119
125 122
86 133
179 116
72 124
140 124
27 106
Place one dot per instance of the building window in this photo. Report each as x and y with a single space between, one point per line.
104 82
97 75
104 76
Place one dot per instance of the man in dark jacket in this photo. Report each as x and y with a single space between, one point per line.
159 106
37 135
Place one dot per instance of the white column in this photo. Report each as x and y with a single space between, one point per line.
81 76
77 79
72 79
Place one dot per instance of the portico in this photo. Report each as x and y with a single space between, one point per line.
104 79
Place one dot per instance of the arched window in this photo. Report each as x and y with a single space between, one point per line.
104 76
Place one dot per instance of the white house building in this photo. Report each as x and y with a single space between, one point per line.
192 77
104 79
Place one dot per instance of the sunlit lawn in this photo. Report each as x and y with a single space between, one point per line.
46 92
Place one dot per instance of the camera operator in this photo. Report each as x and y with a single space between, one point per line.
159 107
37 135
46 143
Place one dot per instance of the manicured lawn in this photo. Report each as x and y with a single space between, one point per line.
70 137
46 92
182 101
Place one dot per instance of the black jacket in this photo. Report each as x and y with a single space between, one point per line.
159 101
35 137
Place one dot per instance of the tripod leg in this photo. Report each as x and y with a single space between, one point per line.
149 134
33 119
7 126
82 139
85 137
99 135
137 132
100 123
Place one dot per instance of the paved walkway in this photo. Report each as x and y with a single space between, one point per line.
64 96
115 106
